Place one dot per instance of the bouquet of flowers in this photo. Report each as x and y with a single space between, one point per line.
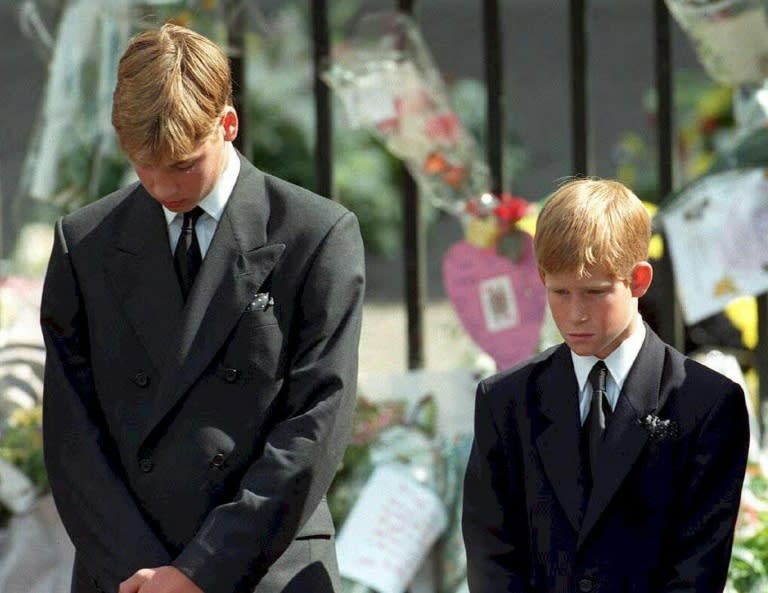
388 83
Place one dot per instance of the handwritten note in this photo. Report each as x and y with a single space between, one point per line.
390 530
717 233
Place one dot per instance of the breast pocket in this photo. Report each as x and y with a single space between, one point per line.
256 349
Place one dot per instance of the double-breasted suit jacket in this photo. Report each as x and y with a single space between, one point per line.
661 513
202 434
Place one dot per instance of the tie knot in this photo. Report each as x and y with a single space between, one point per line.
598 376
190 218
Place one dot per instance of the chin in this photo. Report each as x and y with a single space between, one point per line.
583 349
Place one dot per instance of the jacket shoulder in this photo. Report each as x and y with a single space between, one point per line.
702 383
83 221
299 203
512 380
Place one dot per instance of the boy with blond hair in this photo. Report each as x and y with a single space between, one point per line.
201 327
610 463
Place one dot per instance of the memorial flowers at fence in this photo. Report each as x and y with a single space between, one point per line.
730 37
749 563
22 470
389 85
400 471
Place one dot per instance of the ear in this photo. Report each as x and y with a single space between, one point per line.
642 275
230 123
542 277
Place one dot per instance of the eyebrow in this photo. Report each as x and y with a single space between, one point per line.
189 159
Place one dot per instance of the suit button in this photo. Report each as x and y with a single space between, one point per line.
231 375
146 465
218 460
585 585
141 379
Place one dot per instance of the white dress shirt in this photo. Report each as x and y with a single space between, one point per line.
619 362
213 206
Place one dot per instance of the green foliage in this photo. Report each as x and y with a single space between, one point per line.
748 571
21 444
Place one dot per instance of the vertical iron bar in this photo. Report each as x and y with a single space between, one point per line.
495 93
663 71
670 320
414 255
761 365
579 88
237 62
323 113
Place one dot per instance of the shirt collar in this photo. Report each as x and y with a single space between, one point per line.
619 362
213 204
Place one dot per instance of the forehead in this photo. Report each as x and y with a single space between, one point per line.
573 279
159 161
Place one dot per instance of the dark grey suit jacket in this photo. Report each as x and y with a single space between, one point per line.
202 435
661 514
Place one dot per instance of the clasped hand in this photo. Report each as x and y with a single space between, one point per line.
164 579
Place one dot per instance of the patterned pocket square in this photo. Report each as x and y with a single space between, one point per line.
261 302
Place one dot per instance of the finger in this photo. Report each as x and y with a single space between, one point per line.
133 583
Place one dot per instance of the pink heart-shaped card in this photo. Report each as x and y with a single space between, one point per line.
499 301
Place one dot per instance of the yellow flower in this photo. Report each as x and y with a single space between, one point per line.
26 416
700 164
743 314
714 103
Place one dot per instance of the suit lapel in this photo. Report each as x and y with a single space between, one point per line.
643 393
235 266
140 267
558 443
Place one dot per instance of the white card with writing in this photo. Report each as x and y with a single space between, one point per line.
390 530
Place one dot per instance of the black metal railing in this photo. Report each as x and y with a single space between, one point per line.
669 322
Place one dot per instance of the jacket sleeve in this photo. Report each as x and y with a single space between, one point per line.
493 520
238 541
108 530
700 553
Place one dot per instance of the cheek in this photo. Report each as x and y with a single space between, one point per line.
144 178
559 310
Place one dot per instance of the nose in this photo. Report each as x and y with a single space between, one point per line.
162 187
579 311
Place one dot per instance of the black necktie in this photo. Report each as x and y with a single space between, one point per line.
187 257
598 416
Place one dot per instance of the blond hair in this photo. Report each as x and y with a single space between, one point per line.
592 224
172 87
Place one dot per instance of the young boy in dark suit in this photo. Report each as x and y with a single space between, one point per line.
202 331
610 463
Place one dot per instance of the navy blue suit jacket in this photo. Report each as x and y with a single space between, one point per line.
661 514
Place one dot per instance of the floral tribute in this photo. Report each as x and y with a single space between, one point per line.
394 433
389 85
730 37
749 563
